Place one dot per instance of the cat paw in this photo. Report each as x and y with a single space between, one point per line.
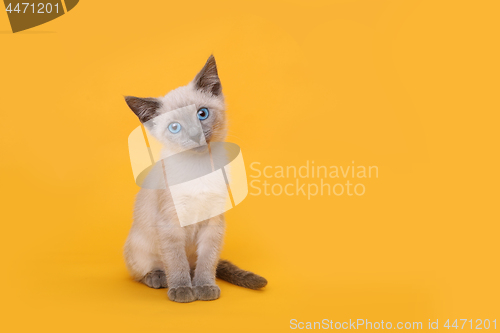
155 279
207 292
181 294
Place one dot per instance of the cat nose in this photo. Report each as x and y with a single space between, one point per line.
195 135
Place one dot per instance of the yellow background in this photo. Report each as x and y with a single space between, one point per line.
408 86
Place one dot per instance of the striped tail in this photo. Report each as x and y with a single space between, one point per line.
231 273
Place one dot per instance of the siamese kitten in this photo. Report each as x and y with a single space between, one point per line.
158 251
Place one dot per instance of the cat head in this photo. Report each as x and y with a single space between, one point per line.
169 118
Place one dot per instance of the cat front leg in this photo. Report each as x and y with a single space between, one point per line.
177 265
210 239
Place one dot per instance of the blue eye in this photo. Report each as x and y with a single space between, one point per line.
174 128
203 113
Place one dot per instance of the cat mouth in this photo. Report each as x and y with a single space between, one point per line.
200 149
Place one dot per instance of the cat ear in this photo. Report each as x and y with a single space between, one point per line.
208 79
144 108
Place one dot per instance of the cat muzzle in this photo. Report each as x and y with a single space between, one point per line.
196 136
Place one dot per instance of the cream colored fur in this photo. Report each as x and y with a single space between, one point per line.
157 243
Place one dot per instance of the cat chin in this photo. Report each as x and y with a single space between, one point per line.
200 149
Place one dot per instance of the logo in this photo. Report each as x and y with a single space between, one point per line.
26 15
169 154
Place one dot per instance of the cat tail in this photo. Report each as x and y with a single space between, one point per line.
231 273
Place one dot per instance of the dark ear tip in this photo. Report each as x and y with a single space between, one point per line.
129 100
208 78
211 60
144 108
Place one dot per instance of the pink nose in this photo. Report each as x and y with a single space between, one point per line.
196 136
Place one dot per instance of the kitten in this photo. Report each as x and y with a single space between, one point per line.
158 251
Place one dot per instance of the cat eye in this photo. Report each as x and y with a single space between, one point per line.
174 128
203 113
